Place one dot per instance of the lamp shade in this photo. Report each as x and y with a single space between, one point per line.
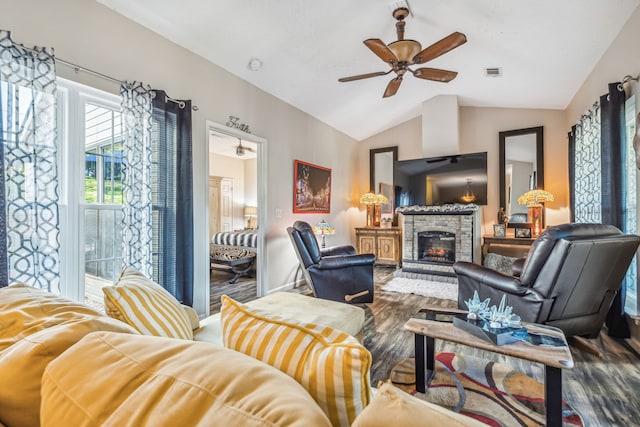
250 211
535 197
373 199
323 228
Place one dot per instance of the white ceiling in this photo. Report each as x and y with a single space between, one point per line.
545 48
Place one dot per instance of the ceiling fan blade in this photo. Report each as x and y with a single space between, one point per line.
378 47
441 47
436 160
435 74
392 87
363 76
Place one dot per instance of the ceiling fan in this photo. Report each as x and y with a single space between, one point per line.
452 159
402 53
241 149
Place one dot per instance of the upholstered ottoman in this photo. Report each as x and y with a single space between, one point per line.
344 317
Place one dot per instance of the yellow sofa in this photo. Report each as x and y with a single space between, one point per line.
62 363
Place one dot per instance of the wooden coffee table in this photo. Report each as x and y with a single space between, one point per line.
554 358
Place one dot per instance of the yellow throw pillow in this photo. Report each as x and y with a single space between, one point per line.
331 365
146 306
393 407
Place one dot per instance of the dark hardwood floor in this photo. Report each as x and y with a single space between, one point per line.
603 390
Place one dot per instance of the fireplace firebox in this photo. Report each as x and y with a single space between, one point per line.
437 247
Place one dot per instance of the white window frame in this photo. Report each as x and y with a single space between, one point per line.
72 97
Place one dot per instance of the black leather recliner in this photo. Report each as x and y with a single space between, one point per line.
336 273
568 280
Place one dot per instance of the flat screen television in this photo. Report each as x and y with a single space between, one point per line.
458 178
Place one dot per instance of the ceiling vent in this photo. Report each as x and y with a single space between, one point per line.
493 72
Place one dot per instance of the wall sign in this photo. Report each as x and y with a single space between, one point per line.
234 122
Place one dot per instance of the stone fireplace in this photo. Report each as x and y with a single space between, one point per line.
434 237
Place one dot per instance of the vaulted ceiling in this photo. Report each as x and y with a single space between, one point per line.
544 48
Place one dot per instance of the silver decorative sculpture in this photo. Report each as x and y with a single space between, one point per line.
498 317
502 316
476 307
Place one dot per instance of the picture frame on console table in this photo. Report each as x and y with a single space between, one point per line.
523 232
499 230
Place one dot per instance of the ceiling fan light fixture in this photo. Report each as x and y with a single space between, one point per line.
401 54
405 50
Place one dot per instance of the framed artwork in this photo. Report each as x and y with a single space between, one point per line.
523 232
499 230
311 188
387 191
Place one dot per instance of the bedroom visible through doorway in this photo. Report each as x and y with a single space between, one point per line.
233 217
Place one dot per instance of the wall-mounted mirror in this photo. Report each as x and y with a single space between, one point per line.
521 168
381 161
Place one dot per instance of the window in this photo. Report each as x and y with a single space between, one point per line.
103 155
91 190
631 301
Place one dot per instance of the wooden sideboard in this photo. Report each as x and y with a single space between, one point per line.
385 243
508 246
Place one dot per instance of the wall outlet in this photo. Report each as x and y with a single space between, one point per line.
278 213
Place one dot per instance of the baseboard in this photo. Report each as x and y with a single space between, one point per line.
287 286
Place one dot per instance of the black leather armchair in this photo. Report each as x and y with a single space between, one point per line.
568 280
336 273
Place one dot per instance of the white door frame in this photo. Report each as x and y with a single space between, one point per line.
261 258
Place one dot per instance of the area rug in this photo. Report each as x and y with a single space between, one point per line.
425 288
489 392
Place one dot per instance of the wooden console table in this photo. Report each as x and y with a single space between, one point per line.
488 241
384 243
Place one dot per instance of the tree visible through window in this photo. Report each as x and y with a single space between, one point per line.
103 155
103 191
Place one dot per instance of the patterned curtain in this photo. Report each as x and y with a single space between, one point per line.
602 177
172 196
614 189
136 169
585 169
157 188
29 247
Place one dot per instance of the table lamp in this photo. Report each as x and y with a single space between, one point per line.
250 212
322 229
373 202
535 199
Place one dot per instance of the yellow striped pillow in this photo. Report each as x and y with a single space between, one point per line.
331 365
146 306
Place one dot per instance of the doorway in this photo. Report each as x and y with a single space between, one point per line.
236 212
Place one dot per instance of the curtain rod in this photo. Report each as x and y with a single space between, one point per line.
626 79
77 68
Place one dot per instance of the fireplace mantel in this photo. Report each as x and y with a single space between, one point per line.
449 209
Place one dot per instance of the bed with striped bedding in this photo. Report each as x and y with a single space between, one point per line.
247 238
234 252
